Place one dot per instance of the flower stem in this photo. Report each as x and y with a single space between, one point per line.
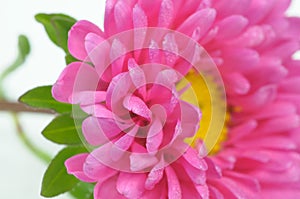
32 148
18 107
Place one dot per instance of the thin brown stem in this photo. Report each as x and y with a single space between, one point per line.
18 108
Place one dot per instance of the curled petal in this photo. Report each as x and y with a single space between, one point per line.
73 79
74 166
77 34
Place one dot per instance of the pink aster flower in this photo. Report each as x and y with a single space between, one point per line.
131 103
251 42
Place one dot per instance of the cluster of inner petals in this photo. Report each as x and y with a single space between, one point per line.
134 97
144 108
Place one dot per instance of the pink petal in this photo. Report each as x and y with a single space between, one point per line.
279 7
294 67
166 78
252 37
122 12
183 9
170 50
202 19
141 161
99 131
292 98
231 7
277 193
275 109
104 155
244 179
252 158
139 17
98 110
154 176
259 10
278 125
284 170
236 83
74 166
257 100
232 26
230 189
160 95
261 77
77 36
177 133
189 191
118 89
137 76
273 142
107 189
117 53
92 40
202 190
131 185
137 106
215 193
98 51
213 170
240 60
94 169
123 144
166 14
284 50
157 192
289 85
88 97
151 13
174 189
155 136
190 118
140 20
154 52
294 28
73 79
196 175
109 20
240 131
194 160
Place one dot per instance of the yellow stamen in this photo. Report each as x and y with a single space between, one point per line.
206 94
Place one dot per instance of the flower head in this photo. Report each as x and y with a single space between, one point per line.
250 41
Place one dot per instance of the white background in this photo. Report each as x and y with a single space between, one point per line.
20 171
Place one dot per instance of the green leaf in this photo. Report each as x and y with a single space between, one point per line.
23 52
69 58
41 97
57 27
83 191
62 130
56 180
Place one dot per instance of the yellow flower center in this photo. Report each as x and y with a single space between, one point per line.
205 93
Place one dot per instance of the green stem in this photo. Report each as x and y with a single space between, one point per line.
18 108
32 148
